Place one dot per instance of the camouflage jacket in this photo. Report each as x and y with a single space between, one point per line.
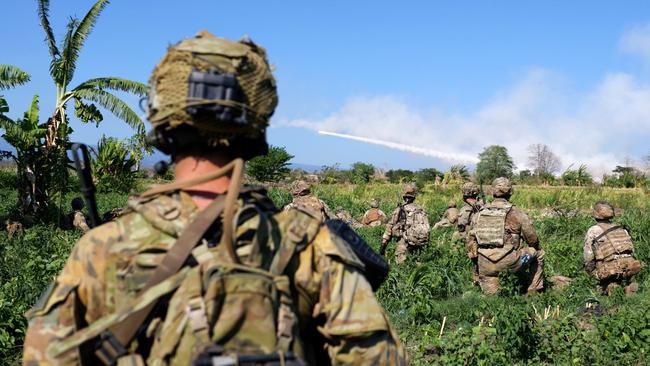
518 227
311 203
340 320
396 225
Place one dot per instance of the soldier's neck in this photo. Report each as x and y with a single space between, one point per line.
189 167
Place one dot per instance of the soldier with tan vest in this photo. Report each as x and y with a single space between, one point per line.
498 231
203 271
374 216
609 252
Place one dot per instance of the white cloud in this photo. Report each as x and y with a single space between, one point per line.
597 128
637 41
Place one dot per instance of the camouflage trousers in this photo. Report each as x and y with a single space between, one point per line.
402 249
616 273
442 223
488 271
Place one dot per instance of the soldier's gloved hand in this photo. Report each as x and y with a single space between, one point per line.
382 250
589 267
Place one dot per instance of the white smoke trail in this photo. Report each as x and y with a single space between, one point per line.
448 157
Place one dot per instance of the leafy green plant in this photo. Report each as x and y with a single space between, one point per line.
113 165
271 167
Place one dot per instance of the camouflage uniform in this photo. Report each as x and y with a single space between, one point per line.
508 254
328 313
609 252
345 216
374 216
304 199
449 217
77 219
472 206
396 226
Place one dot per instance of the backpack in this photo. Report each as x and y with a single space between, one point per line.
490 226
416 226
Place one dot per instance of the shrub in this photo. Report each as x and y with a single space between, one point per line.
113 166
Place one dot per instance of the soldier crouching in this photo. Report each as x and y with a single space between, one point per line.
609 252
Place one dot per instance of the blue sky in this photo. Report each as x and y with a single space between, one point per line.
445 76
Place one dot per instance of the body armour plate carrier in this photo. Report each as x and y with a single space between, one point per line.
490 226
614 241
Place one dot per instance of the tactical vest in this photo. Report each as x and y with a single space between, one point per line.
490 226
613 243
373 215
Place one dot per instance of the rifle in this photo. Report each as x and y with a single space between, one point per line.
87 187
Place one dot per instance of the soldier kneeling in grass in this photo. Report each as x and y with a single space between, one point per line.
609 252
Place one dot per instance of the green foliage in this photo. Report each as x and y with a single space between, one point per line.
361 172
401 175
271 167
433 285
577 177
113 166
11 76
494 162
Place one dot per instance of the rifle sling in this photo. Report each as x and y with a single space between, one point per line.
613 228
594 242
114 340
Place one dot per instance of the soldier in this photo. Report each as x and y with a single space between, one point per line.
201 271
77 219
609 252
345 216
449 217
497 232
472 206
303 198
409 223
374 216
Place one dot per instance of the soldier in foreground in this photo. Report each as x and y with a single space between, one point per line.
409 224
609 252
374 216
472 206
201 270
304 199
449 217
497 232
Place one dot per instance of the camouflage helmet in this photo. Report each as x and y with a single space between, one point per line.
603 210
300 188
451 204
470 189
502 187
409 190
223 90
374 203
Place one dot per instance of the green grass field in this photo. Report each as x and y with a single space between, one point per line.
433 286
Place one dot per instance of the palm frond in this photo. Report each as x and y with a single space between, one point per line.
115 83
112 103
43 14
32 114
61 67
11 76
74 45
